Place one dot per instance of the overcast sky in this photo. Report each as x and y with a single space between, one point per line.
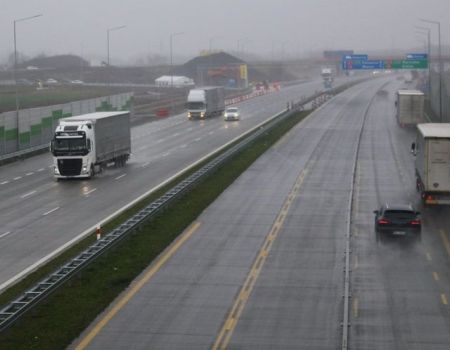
260 26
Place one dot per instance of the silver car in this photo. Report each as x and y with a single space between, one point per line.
231 113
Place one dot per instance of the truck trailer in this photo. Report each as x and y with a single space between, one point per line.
410 107
205 102
84 145
432 164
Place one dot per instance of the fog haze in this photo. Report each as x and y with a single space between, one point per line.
264 27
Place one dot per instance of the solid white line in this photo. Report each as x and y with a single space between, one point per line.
89 192
4 183
50 211
5 234
17 178
119 177
28 194
42 169
91 229
28 174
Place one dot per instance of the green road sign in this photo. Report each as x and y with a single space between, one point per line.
407 64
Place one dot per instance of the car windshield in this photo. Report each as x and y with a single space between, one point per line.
232 110
403 215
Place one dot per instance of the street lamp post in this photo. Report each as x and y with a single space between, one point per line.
107 39
440 63
171 56
15 73
427 31
107 49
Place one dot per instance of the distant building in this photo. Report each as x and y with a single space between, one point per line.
219 69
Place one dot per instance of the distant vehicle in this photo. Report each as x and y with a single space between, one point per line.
432 164
231 113
51 81
327 76
77 82
410 107
397 220
32 68
408 78
83 145
206 102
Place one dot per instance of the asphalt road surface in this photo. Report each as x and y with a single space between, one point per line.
263 266
39 215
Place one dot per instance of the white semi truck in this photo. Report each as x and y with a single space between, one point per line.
432 151
205 102
327 76
84 145
410 107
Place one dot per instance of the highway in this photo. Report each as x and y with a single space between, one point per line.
263 266
39 215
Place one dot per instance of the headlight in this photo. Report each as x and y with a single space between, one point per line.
56 170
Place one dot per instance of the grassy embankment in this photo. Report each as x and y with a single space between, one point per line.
66 313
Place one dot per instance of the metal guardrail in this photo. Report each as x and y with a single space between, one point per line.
22 153
42 289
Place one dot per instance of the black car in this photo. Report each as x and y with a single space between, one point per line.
397 220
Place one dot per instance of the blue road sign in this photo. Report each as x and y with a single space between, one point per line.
355 57
367 64
416 56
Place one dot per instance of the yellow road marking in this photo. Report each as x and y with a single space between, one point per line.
444 299
136 287
446 242
355 307
230 323
436 276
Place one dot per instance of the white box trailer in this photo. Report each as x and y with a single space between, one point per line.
432 165
410 107
206 102
83 145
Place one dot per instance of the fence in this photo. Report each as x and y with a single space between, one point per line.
34 127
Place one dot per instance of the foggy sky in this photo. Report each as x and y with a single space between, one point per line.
271 27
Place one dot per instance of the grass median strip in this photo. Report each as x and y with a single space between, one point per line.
59 319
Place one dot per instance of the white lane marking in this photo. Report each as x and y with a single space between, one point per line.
4 183
198 139
89 192
176 134
119 177
161 140
28 194
183 146
211 132
17 178
28 174
145 164
165 154
5 234
42 169
50 211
